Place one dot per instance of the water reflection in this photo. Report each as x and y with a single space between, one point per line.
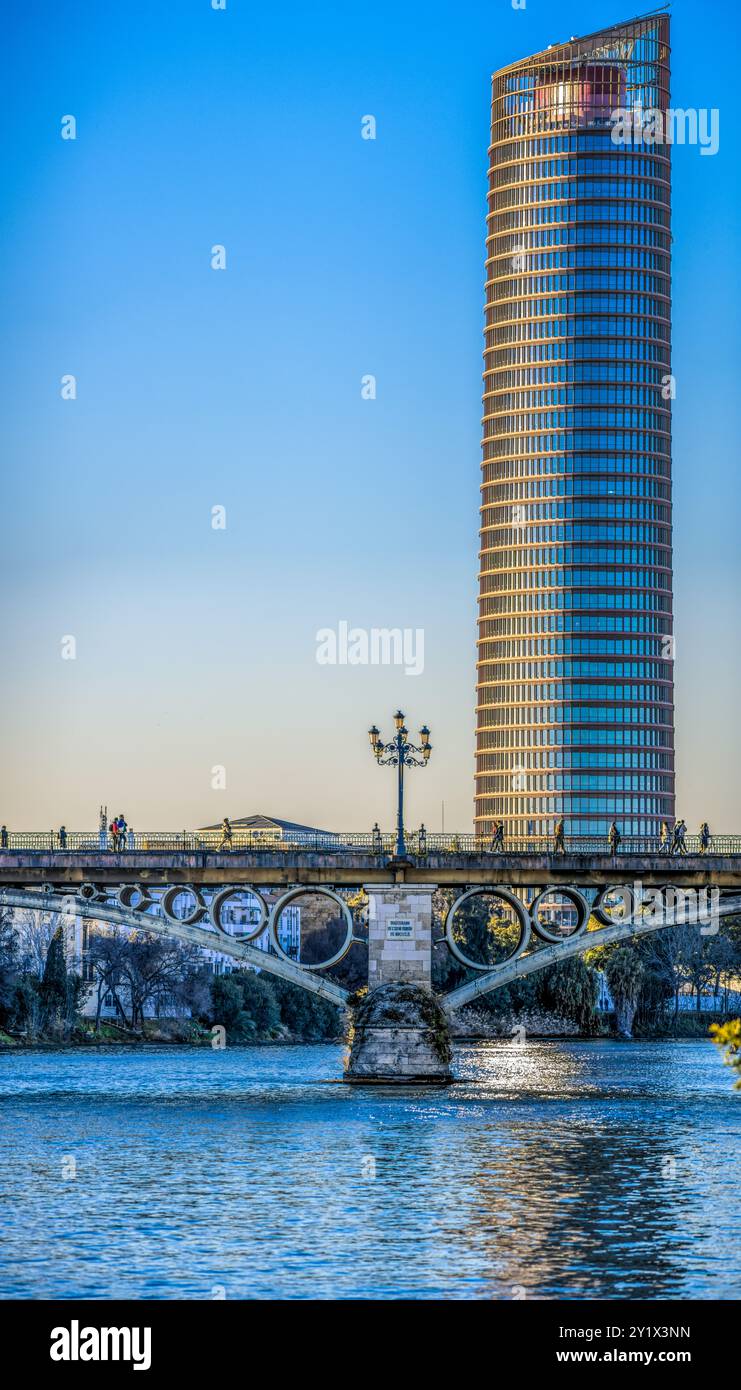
551 1170
605 1200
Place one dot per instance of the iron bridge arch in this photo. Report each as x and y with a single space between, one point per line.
154 914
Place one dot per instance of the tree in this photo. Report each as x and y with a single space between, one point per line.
193 991
153 970
25 1014
245 1004
20 1002
259 1001
306 1015
728 1036
662 954
571 989
250 1005
147 973
74 1000
723 960
9 967
36 931
106 952
227 1010
694 963
624 971
55 987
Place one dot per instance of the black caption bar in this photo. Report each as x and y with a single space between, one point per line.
154 1340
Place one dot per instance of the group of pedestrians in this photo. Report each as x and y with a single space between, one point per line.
670 842
675 841
119 833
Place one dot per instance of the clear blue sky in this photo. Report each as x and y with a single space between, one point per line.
241 388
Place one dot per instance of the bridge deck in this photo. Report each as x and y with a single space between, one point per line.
352 867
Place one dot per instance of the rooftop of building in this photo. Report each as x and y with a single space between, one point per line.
585 46
267 823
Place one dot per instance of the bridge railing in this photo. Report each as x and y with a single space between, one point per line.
420 844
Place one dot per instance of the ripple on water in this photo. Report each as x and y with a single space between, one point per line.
567 1169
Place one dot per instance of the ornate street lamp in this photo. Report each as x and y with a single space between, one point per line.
400 753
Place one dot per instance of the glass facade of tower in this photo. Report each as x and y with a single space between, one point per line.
575 683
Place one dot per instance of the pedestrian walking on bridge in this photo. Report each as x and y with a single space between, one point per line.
664 838
704 837
678 839
62 837
497 839
559 843
226 834
613 839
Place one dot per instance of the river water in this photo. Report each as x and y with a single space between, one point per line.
551 1170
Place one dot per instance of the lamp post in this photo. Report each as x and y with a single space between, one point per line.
400 753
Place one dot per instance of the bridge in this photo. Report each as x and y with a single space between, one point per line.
169 857
557 904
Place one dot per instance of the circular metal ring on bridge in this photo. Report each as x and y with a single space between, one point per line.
169 897
91 892
576 899
222 897
129 892
602 913
318 893
519 910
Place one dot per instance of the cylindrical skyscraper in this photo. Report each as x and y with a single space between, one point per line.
575 669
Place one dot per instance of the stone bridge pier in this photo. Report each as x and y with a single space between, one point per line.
400 1032
399 934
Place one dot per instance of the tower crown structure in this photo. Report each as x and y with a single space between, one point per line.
575 664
